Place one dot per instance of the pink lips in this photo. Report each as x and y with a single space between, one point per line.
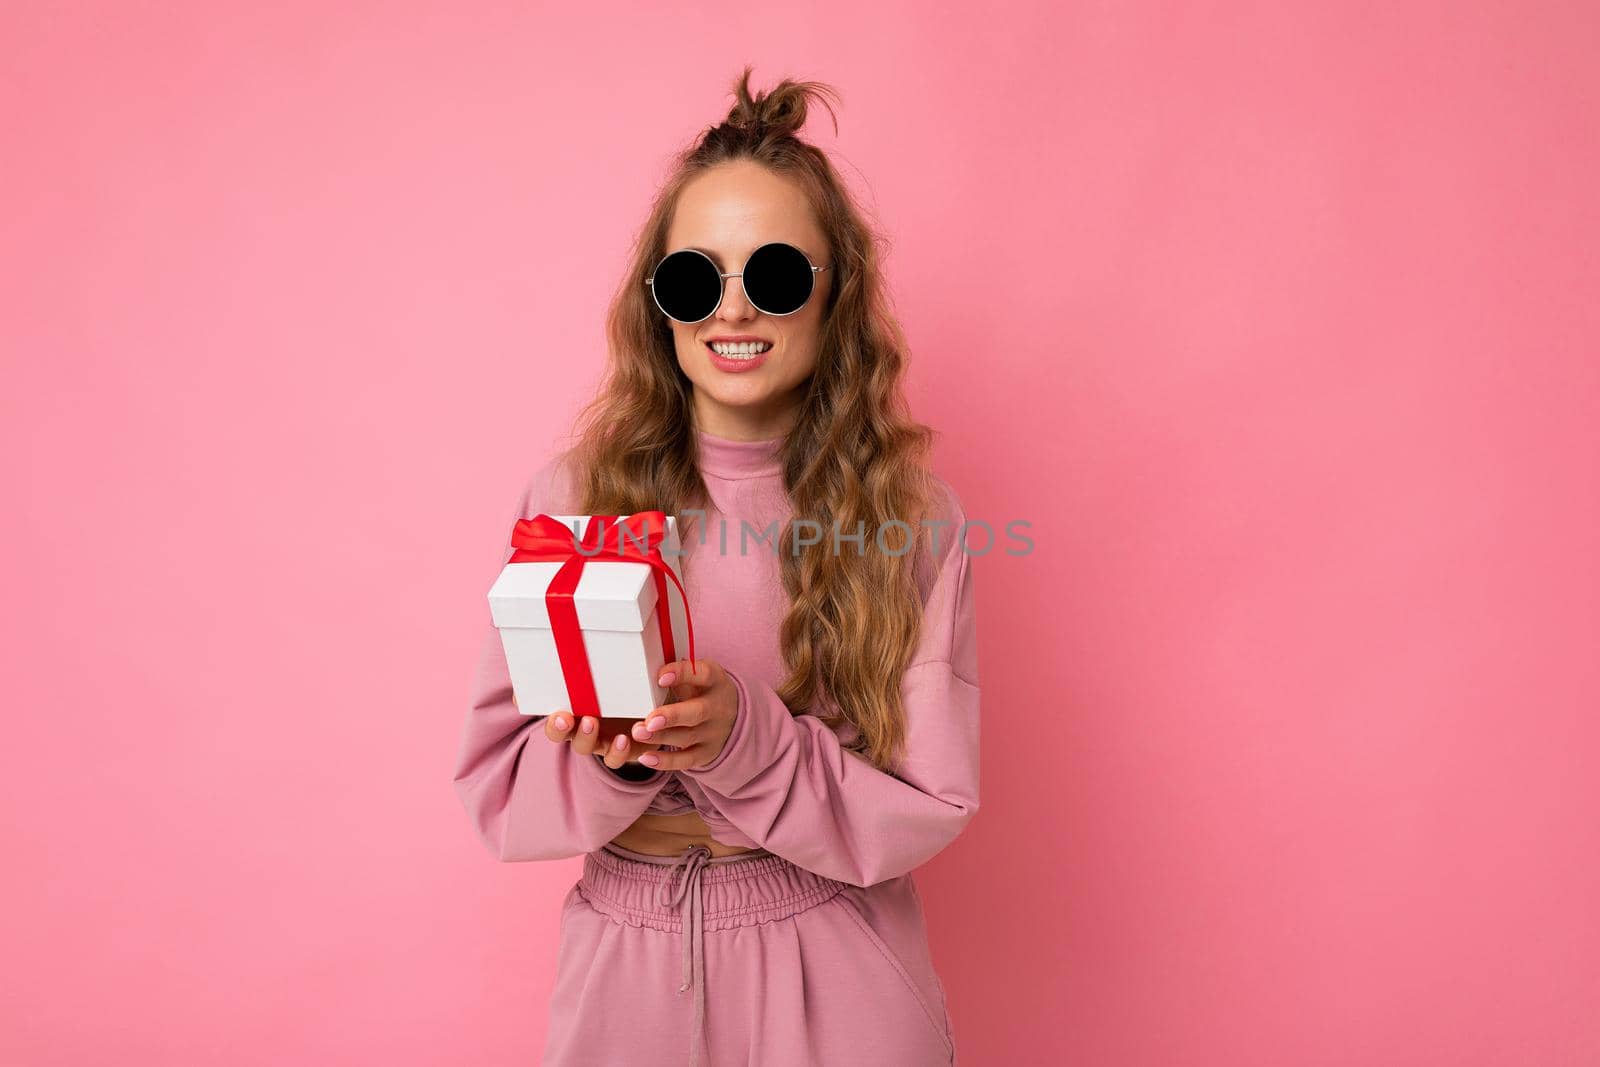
736 366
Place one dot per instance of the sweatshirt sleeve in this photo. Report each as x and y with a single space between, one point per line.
530 798
787 781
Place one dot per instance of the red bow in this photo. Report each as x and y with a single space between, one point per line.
637 539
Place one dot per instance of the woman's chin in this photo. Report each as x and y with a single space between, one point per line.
747 392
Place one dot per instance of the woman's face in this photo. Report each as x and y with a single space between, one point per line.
727 213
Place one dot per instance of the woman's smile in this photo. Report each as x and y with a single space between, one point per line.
737 356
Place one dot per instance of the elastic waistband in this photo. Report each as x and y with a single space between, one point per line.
738 890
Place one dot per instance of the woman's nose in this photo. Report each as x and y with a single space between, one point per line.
734 307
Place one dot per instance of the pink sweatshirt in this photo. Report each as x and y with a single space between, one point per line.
782 781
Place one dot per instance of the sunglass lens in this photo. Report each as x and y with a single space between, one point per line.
777 279
687 286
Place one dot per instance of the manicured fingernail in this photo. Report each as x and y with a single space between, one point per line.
640 732
588 724
561 722
649 759
667 678
657 723
622 743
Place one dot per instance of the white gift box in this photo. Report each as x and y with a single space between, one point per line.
616 604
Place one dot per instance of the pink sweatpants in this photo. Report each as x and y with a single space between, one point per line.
741 960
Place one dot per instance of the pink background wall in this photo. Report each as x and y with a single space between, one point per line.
1277 321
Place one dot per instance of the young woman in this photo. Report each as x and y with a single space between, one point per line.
746 895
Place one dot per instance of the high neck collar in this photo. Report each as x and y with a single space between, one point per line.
727 458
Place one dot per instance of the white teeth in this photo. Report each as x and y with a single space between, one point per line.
742 350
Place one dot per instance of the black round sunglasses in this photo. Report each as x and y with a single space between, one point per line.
778 279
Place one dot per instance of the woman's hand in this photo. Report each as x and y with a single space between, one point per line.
585 738
699 720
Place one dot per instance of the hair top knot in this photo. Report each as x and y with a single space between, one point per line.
779 111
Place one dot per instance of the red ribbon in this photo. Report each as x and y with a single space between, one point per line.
637 539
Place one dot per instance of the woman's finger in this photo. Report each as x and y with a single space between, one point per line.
684 678
666 723
691 712
624 749
676 761
680 736
558 725
586 739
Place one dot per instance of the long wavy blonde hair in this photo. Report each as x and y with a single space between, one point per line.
854 460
